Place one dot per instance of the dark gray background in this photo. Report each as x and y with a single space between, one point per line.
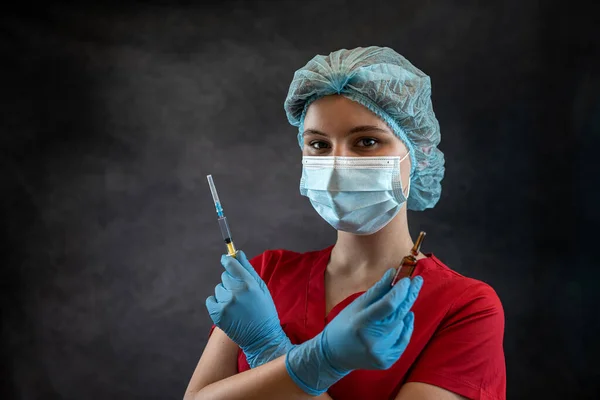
111 119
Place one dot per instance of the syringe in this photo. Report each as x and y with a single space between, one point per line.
222 219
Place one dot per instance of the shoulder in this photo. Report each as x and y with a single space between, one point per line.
460 296
458 337
284 262
282 256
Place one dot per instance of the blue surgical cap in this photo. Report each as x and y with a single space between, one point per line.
392 88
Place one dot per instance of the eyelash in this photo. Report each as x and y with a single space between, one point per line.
370 139
359 141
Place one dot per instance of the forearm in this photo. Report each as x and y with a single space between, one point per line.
269 381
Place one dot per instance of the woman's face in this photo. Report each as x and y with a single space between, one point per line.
337 126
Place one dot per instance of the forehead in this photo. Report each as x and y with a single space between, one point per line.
336 112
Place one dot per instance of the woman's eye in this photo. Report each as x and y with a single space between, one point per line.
367 142
318 145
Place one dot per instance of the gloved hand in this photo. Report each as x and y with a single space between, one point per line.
370 333
243 308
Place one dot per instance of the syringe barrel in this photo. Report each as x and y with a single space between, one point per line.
225 229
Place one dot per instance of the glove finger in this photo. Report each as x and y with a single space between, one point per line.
211 303
396 330
213 308
235 269
387 305
231 283
411 297
375 292
246 264
222 295
406 334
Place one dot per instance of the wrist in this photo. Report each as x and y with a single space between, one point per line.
310 367
267 349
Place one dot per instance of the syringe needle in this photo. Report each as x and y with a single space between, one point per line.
225 232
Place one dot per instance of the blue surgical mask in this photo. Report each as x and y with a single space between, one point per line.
359 195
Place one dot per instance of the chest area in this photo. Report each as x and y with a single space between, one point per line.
361 384
305 310
340 291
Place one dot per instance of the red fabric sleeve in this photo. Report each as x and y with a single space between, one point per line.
465 355
257 263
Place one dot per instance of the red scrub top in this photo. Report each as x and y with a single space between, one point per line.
456 343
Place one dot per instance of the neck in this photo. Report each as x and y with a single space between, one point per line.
372 253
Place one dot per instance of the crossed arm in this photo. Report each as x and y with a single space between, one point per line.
216 377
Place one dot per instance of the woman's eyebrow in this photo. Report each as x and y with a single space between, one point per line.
356 129
367 128
314 132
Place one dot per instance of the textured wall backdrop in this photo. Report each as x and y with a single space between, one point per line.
111 119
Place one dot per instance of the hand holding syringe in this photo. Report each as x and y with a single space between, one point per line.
222 219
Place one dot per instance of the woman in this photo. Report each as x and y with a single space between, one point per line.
326 324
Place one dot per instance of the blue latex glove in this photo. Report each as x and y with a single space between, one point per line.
243 308
370 333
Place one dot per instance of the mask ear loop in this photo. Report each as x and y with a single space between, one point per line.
407 189
408 185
